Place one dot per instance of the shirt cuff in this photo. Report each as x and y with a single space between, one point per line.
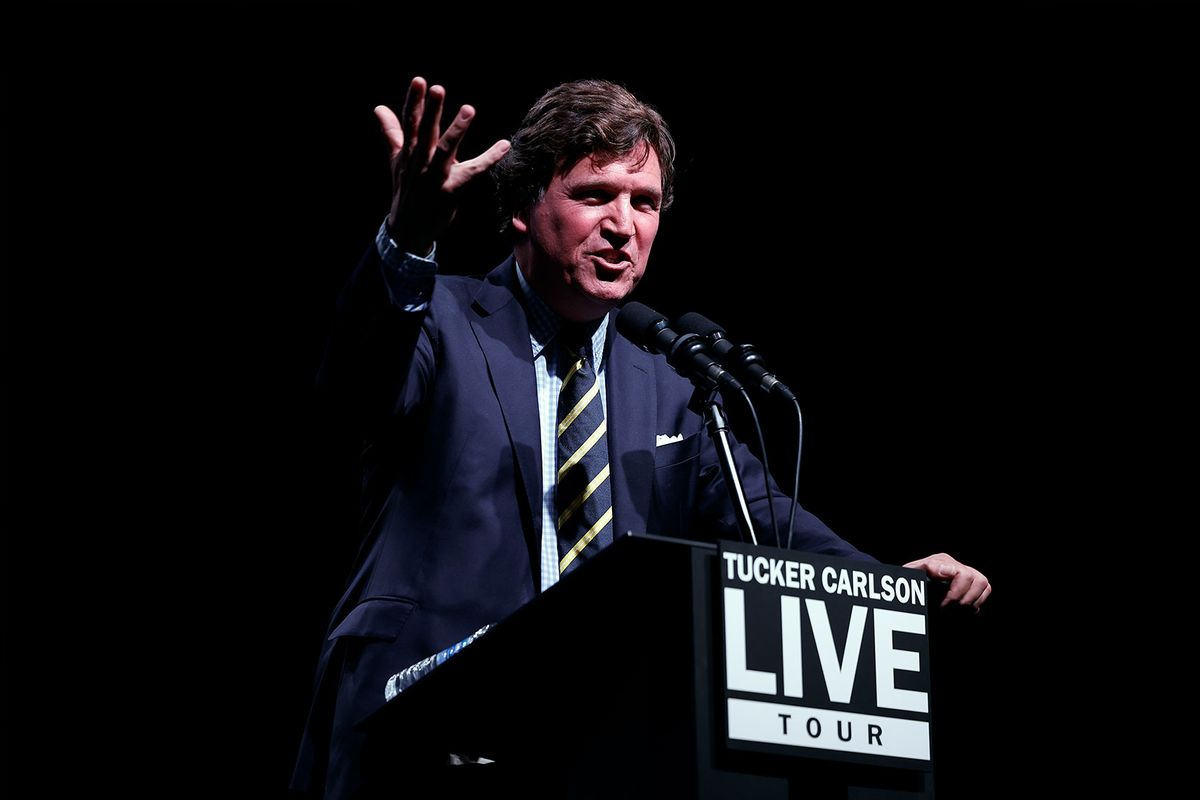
408 277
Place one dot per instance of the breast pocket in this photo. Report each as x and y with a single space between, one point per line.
672 453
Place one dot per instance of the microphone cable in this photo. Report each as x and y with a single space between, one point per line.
762 446
795 472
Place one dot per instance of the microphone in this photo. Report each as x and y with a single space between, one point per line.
648 329
742 359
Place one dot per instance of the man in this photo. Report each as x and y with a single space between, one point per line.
456 385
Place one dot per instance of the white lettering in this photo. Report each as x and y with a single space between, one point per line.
829 580
807 573
737 676
744 569
839 677
888 659
843 585
730 563
759 721
789 621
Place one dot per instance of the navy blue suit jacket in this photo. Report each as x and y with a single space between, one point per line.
447 402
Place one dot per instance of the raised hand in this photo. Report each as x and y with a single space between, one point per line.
426 172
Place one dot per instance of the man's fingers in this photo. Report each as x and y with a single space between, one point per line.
955 593
956 590
414 107
972 589
464 172
488 158
430 129
452 138
969 588
481 163
389 123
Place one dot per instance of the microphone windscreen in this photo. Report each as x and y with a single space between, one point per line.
638 323
698 324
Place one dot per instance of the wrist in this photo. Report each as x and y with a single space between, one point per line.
423 248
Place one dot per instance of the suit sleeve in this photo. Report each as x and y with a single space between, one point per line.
379 356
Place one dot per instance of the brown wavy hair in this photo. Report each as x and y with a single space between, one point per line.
570 122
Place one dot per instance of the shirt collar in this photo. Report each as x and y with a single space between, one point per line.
544 323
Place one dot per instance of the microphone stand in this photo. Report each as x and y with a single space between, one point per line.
704 403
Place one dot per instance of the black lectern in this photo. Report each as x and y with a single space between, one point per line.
605 686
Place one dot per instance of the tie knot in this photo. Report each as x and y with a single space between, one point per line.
576 338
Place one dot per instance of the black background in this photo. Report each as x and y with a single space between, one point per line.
957 235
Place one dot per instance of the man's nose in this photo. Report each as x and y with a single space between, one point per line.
619 221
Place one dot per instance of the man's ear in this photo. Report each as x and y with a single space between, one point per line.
520 221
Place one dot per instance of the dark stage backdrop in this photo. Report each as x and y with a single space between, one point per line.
914 216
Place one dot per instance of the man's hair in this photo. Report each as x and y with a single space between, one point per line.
569 123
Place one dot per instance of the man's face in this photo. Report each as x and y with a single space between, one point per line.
588 238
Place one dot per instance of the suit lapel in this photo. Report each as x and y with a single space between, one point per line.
502 330
632 412
503 334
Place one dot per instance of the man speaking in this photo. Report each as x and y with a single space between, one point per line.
508 432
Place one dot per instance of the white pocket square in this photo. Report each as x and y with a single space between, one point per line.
663 438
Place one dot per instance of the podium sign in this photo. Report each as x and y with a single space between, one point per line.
824 657
819 689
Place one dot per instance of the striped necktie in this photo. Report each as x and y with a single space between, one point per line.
583 494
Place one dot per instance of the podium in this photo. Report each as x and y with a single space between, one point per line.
604 686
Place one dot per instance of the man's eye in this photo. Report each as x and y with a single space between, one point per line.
647 203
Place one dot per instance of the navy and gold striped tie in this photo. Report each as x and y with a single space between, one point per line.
583 494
